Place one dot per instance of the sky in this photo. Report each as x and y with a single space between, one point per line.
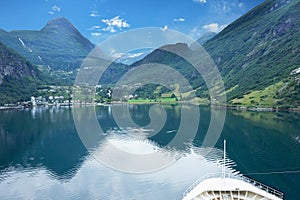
100 19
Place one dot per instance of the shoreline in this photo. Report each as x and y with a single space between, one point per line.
229 107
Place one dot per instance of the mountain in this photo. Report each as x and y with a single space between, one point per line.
18 77
57 46
258 56
164 56
205 37
13 65
258 53
25 137
134 56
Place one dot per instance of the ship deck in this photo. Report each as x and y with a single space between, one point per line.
230 187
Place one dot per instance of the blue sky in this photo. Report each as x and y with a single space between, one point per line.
99 19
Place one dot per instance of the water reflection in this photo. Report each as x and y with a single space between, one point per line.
42 156
41 138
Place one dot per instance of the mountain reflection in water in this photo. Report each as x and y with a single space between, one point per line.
42 156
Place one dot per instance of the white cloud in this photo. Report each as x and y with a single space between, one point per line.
240 5
164 28
115 24
228 6
130 55
94 13
56 8
115 54
180 19
214 27
94 28
129 58
95 34
110 29
200 1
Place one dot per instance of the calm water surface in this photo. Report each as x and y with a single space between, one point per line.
42 156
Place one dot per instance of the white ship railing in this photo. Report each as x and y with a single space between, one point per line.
238 177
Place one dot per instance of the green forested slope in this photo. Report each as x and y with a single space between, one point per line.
19 79
261 49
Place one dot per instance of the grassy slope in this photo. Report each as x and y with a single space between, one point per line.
255 55
258 51
285 94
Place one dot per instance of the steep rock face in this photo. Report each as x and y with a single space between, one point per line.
13 65
18 77
58 46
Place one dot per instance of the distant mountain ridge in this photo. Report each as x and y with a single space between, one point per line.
58 45
205 37
165 57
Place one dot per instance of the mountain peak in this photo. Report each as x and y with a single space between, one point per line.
41 47
175 47
60 23
205 37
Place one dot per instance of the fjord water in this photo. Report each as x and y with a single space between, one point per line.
42 156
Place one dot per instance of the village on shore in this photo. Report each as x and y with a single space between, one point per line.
63 96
